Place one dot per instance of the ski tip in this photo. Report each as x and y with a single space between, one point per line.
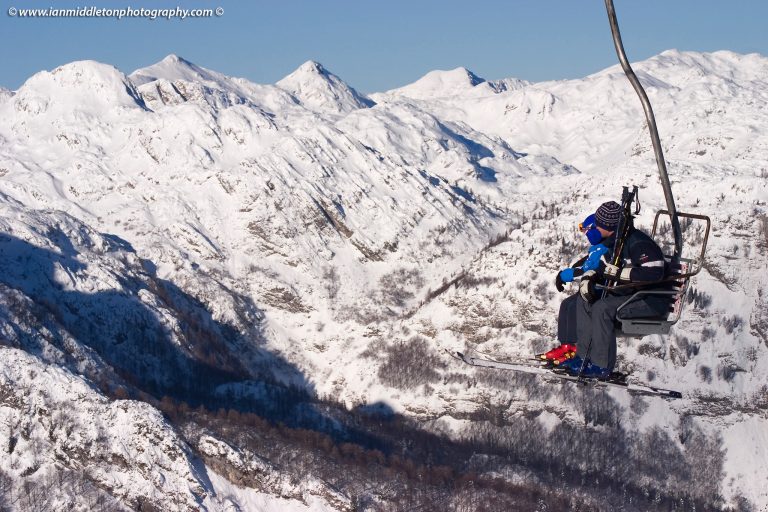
675 394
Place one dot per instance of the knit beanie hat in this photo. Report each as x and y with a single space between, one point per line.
608 215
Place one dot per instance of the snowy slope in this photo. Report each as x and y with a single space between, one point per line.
316 232
64 349
75 449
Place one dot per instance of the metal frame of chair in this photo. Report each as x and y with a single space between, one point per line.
639 327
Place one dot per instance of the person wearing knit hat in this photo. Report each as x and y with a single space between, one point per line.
590 319
608 215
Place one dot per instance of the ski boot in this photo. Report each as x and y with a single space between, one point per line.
590 371
557 355
570 366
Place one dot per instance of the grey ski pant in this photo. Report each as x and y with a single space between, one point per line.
566 320
595 324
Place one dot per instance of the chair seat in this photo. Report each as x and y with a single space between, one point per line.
643 326
658 324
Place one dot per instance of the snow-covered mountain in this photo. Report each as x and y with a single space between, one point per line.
227 245
173 68
317 88
459 82
562 118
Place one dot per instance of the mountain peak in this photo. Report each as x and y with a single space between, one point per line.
319 89
456 76
171 68
85 79
465 74
175 59
440 83
312 66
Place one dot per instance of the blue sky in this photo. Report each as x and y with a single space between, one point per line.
378 45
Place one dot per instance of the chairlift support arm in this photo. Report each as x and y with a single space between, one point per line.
660 162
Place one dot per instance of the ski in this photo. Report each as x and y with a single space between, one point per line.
618 381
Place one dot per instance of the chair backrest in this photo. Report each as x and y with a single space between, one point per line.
696 230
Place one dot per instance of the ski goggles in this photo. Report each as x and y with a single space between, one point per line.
587 223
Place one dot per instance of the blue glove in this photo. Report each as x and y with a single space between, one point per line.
593 261
566 275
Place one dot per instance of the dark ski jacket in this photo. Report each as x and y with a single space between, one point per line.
643 256
642 261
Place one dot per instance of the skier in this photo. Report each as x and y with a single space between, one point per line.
566 320
642 263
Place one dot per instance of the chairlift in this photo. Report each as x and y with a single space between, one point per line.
679 277
681 269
